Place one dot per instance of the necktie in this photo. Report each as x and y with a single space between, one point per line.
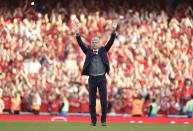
95 52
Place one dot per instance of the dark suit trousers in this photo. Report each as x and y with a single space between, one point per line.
100 82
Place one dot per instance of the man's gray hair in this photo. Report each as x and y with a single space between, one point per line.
95 39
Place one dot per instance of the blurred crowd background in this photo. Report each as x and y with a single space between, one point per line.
41 62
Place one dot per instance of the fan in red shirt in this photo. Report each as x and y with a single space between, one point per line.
54 106
146 104
44 104
186 92
174 106
118 105
164 106
24 104
7 102
177 94
127 105
84 103
74 103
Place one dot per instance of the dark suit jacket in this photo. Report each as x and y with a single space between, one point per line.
102 52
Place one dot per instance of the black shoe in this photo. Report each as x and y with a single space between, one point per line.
104 124
92 124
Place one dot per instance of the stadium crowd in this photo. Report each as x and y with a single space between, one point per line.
40 61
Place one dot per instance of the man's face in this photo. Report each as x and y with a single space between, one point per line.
95 43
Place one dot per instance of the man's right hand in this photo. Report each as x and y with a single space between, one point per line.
114 26
76 29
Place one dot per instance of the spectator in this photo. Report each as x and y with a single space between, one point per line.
74 103
64 109
2 105
186 93
174 106
16 103
98 106
137 106
84 103
153 108
45 103
127 105
54 104
189 107
164 106
118 105
36 102
7 101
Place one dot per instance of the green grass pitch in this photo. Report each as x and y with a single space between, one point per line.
84 126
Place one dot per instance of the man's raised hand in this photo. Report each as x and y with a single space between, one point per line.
115 25
76 29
